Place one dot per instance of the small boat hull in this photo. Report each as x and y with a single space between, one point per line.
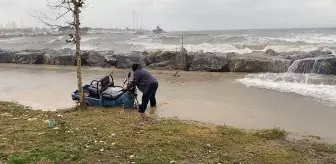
125 100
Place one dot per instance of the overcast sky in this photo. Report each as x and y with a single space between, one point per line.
188 14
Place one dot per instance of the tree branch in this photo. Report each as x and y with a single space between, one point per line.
43 19
66 4
60 9
62 15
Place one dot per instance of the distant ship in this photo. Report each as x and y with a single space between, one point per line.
138 31
117 31
159 30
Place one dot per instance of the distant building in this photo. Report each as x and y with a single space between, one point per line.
158 30
65 29
84 30
68 30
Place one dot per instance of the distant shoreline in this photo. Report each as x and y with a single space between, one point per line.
254 29
174 31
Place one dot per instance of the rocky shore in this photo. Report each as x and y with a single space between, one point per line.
322 62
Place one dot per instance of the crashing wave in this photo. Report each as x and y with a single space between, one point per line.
320 87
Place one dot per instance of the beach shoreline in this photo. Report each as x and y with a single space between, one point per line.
210 97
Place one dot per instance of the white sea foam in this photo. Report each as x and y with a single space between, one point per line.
307 38
207 47
322 88
52 41
290 48
85 39
11 40
84 47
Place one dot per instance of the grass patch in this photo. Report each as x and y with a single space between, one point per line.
323 147
111 136
46 156
272 134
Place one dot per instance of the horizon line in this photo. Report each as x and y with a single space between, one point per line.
230 29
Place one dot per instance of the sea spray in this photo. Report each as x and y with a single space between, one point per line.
317 65
320 87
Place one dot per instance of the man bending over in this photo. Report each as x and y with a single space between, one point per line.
147 84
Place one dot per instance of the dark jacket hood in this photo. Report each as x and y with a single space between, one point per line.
136 66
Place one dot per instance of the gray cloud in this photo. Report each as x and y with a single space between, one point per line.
189 14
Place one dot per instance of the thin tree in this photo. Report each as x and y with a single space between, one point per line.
61 9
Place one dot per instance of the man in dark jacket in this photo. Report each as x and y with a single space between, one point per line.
147 84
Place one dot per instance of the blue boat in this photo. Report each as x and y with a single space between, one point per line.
104 93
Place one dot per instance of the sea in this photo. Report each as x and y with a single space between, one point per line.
240 41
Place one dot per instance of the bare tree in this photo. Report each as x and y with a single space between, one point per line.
61 9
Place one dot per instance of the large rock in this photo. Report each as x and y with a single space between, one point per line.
165 56
319 65
190 58
159 56
213 62
151 57
127 60
271 52
110 58
6 56
167 65
254 63
28 57
181 60
60 57
63 60
297 55
94 59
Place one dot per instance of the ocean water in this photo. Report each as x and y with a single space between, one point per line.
241 41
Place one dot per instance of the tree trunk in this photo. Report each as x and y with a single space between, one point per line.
82 104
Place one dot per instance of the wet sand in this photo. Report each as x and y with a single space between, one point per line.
215 98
